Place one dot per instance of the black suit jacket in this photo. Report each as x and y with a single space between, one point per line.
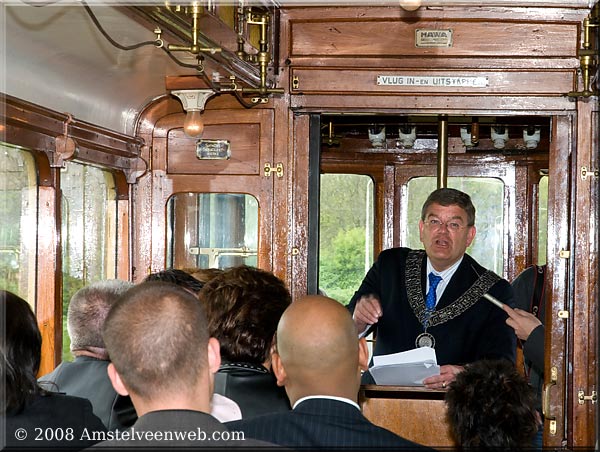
52 421
198 429
480 332
322 423
87 377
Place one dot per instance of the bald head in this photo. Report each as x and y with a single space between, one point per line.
318 347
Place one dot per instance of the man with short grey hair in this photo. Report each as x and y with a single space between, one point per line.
87 376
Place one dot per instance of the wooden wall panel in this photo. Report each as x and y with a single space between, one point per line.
393 37
242 128
356 81
415 413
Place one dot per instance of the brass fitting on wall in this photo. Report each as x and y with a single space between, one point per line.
588 55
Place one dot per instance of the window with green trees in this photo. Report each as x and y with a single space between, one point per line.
346 233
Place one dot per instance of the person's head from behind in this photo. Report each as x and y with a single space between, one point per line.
21 352
243 306
161 353
447 226
318 350
87 312
491 405
203 275
178 277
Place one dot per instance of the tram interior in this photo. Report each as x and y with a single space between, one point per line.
100 180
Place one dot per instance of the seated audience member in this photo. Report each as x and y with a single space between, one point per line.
178 277
319 359
29 412
86 376
162 356
491 406
221 407
243 306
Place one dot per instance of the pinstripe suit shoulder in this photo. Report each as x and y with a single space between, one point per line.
322 423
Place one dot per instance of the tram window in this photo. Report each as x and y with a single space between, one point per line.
18 209
89 238
212 230
488 197
345 233
542 220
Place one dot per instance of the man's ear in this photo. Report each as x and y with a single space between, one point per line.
471 235
214 355
116 381
363 354
278 369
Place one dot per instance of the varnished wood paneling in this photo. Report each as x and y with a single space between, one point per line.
585 291
557 330
393 37
48 307
357 81
439 103
244 129
245 151
417 414
299 226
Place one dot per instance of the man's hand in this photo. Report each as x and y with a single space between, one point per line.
522 322
366 312
447 375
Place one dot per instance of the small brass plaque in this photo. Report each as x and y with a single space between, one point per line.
427 37
213 150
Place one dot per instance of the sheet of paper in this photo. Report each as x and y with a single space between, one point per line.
415 355
408 368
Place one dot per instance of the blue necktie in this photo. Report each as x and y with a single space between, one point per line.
434 280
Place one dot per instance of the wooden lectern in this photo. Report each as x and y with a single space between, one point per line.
415 413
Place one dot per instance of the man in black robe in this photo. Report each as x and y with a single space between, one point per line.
416 298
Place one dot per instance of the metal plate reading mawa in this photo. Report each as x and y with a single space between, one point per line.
213 149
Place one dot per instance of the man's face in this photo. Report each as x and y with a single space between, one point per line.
445 234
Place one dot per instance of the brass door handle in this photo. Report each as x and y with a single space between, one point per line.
546 393
546 400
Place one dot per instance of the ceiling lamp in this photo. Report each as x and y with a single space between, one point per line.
193 101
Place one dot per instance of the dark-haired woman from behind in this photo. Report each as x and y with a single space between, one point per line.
36 418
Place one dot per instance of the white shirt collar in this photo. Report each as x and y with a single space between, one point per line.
339 399
446 276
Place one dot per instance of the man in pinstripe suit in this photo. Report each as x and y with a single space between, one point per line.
319 361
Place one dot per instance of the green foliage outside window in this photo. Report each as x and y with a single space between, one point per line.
346 233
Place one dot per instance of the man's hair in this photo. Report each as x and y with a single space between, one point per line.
156 337
178 277
203 274
88 309
450 197
243 307
491 405
20 349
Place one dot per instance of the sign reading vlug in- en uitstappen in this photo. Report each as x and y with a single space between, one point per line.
433 80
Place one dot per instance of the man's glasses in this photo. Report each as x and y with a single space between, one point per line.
435 224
